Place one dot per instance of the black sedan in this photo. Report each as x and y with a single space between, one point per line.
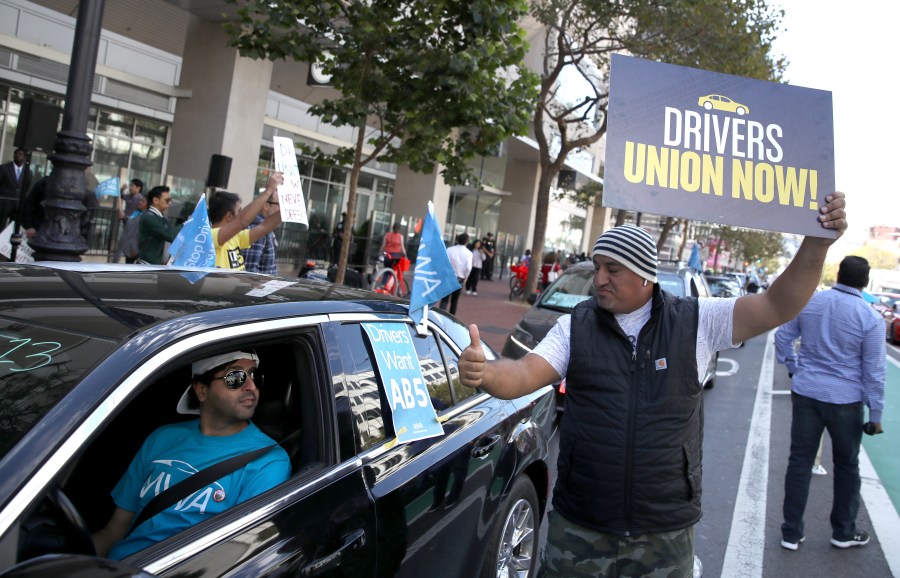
94 358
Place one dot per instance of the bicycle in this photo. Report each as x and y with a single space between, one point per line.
390 281
517 281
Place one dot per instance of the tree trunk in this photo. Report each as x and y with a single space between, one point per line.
664 234
542 210
684 237
351 206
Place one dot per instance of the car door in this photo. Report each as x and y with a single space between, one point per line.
322 521
435 499
319 522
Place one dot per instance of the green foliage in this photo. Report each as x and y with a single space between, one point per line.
588 195
438 81
751 245
718 35
877 258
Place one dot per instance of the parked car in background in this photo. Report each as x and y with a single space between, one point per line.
892 324
577 284
724 286
884 302
96 357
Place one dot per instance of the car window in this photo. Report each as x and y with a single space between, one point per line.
460 392
367 421
288 410
569 290
432 365
38 366
371 410
671 283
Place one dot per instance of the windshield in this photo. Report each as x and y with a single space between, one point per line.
38 367
670 283
723 287
570 289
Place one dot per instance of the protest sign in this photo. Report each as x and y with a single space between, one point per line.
695 144
404 386
24 253
290 194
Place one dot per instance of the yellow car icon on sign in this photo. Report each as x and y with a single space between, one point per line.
719 102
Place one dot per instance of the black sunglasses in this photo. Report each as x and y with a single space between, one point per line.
236 378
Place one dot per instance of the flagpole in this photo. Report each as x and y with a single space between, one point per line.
421 328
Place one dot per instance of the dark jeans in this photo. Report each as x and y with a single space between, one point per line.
472 281
453 298
844 424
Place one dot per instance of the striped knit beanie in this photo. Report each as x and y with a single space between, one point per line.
631 246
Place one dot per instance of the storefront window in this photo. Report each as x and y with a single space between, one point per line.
150 132
120 141
115 124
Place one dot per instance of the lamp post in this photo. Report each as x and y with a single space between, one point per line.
59 237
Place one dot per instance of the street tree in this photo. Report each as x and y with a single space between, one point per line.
581 35
429 84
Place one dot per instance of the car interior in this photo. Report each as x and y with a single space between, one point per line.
288 411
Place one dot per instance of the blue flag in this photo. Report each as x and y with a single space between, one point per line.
193 247
695 261
433 276
108 188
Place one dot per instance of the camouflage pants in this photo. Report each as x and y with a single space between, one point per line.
573 551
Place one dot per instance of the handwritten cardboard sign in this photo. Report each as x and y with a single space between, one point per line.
290 194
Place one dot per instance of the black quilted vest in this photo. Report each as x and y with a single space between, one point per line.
631 437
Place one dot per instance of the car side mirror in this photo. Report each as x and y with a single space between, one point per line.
532 298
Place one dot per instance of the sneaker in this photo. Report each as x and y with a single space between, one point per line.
788 545
861 538
468 292
819 470
698 568
474 292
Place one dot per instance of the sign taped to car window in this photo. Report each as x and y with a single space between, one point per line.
403 382
690 143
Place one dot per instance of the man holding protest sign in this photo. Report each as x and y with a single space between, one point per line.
229 222
628 489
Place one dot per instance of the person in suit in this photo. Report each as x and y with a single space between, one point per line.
14 175
155 230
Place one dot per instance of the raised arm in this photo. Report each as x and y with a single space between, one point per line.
503 378
248 213
786 297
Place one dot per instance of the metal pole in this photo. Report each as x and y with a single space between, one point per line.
59 237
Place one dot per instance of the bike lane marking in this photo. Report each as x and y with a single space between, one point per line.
747 537
879 468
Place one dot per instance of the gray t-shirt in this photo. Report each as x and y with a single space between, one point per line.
713 333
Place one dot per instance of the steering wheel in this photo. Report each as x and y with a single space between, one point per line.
78 536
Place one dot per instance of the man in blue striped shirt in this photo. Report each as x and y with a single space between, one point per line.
840 368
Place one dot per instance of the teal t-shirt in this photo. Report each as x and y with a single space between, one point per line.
176 451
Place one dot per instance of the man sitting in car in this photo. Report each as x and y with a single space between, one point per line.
224 392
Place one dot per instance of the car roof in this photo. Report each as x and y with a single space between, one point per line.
115 301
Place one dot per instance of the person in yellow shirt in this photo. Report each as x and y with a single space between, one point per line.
229 222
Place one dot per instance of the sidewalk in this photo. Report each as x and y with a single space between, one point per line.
491 310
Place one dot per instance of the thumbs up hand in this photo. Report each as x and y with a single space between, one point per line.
472 360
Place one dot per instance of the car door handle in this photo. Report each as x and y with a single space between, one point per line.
352 541
485 445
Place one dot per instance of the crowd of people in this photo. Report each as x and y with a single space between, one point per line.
243 237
